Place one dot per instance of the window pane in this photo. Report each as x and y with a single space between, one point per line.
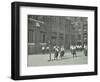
42 37
31 36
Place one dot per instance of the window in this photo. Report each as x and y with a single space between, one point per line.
61 36
79 37
54 35
42 37
31 36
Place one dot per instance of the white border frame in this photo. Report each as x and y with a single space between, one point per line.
24 70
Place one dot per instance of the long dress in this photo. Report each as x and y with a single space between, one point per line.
56 53
85 50
73 50
62 52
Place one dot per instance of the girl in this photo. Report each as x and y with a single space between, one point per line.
62 52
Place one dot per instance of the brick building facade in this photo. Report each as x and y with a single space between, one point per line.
59 30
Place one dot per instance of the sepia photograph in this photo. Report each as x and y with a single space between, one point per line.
57 40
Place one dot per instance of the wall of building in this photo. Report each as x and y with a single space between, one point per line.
59 30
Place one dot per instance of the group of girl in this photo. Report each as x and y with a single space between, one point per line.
78 48
59 52
56 50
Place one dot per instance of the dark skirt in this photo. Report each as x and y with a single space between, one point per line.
73 51
85 52
62 54
56 54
